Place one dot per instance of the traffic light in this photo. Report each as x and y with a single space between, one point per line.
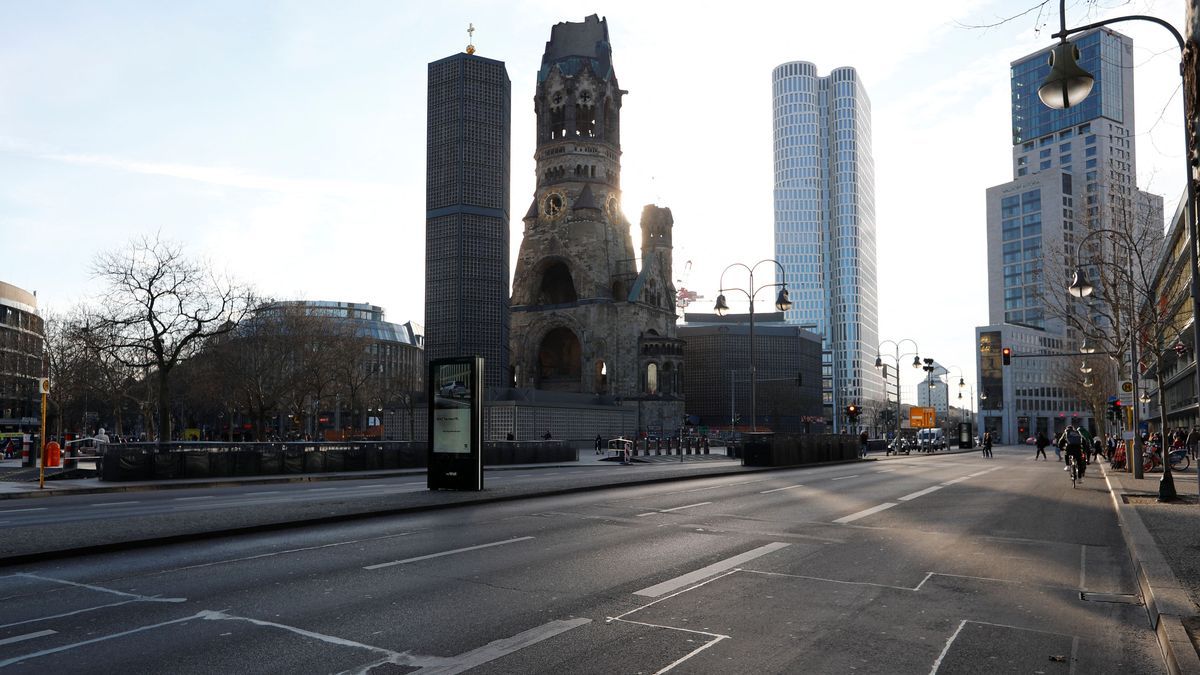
852 411
1116 408
1006 355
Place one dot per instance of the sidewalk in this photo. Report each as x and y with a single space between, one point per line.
1164 545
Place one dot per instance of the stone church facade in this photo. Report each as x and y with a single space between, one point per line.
586 316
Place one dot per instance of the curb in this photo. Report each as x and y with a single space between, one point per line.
1167 602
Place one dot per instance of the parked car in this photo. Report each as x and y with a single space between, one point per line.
453 390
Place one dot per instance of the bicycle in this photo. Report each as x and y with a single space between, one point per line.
1178 458
1076 475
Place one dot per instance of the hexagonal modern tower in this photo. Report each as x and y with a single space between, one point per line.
585 316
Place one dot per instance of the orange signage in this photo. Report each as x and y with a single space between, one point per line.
922 418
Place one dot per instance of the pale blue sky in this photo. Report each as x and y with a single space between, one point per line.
285 141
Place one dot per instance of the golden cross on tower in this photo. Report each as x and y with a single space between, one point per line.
471 38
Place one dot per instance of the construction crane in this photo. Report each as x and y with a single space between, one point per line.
683 296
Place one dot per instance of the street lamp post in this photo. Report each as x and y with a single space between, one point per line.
782 303
915 353
1069 84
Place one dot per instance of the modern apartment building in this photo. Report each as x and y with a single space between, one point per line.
1074 172
466 213
825 224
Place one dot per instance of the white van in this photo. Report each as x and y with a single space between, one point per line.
931 439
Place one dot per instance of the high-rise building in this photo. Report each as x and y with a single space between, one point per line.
1074 172
466 212
825 224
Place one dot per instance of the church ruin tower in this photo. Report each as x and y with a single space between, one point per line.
586 316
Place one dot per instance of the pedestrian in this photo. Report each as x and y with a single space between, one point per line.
987 445
1041 442
1058 449
598 442
862 443
547 436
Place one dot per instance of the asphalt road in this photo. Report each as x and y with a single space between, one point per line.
944 564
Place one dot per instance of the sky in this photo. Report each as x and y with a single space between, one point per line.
284 142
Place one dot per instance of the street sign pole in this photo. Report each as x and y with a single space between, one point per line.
44 387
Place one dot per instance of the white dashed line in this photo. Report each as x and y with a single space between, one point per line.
27 636
921 493
677 508
445 553
40 508
845 477
790 487
713 569
865 512
184 499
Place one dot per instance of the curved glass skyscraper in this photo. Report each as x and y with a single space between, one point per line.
825 223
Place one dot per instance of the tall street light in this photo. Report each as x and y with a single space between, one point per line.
1081 288
782 303
916 363
1069 84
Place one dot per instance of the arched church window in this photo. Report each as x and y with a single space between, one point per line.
652 378
557 285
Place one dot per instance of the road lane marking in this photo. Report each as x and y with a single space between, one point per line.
120 503
790 487
865 512
845 477
945 650
445 553
921 493
256 494
711 570
885 471
284 552
956 480
27 636
40 508
503 647
677 508
102 589
184 499
322 489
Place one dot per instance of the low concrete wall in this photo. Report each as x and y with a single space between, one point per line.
765 449
147 461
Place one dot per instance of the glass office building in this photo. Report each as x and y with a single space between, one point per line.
825 223
1074 172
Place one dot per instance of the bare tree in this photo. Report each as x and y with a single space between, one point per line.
158 308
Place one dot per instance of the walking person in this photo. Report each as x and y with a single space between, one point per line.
987 445
862 444
1041 443
598 442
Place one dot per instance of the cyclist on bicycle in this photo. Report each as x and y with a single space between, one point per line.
1072 440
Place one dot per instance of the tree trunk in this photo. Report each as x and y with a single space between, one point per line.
164 408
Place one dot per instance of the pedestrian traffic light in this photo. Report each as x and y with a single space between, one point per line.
1006 355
